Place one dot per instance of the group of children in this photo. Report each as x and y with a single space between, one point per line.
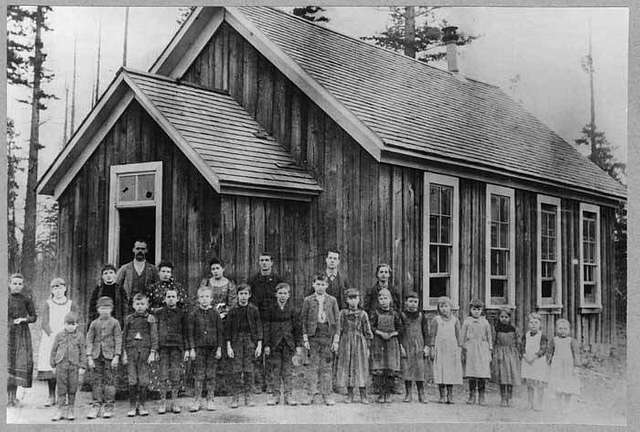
344 349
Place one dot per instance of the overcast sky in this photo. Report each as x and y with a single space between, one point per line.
543 46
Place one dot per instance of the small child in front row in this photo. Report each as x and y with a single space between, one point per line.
415 346
104 346
244 343
173 346
68 361
282 339
205 341
506 356
477 346
140 336
354 332
534 362
564 356
445 351
386 325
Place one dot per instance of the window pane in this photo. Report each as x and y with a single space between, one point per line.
438 287
589 293
447 193
146 183
588 273
547 289
498 263
495 206
504 209
445 229
494 234
433 259
504 235
444 259
126 189
498 291
433 229
434 199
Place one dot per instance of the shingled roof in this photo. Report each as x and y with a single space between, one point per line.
418 108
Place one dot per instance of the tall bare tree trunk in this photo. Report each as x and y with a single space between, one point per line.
30 207
410 31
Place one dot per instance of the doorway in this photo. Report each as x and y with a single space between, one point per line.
136 223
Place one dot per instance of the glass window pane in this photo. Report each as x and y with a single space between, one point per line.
438 287
498 291
444 259
433 259
504 235
146 186
547 289
433 229
495 216
589 293
504 209
434 200
445 229
447 193
126 188
494 234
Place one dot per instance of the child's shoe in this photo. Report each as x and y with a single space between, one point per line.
132 410
441 390
290 400
195 406
328 400
210 405
51 401
363 396
108 410
234 401
421 397
162 408
481 401
71 412
380 397
306 400
175 408
273 399
142 410
94 411
449 394
349 398
387 397
407 391
59 414
472 398
248 401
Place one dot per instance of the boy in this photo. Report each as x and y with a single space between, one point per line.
104 345
173 343
319 331
244 343
140 337
205 343
282 337
68 362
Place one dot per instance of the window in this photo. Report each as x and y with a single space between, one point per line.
500 247
549 271
440 267
135 194
590 256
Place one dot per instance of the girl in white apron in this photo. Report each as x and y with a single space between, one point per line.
564 357
534 363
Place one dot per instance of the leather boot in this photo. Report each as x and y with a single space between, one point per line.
441 390
421 396
349 398
107 409
407 391
509 394
363 396
481 392
449 394
472 391
142 410
133 401
195 406
162 408
175 408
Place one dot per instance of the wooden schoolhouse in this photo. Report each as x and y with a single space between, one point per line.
257 130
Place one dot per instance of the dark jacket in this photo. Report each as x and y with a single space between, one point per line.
68 346
104 336
263 290
205 328
282 324
173 327
310 314
124 277
336 287
120 303
146 326
232 326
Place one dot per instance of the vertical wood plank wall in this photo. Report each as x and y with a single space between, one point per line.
191 208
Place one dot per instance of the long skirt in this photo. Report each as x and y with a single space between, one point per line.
20 356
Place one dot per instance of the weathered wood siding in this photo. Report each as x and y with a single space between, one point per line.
371 211
191 208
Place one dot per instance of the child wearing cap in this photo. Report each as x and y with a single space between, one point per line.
351 344
68 361
415 347
140 336
104 345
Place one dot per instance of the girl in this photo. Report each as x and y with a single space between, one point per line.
353 354
477 346
383 281
386 324
506 357
21 313
57 306
445 352
414 347
563 356
534 364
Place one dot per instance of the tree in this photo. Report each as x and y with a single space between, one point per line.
417 32
12 194
601 152
311 13
29 71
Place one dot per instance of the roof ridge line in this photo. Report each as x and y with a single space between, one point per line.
456 75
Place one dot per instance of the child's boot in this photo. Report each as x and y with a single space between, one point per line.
381 388
94 410
195 406
59 414
289 399
503 395
407 391
235 400
363 396
449 393
51 400
210 404
481 392
273 398
133 400
143 400
107 410
509 390
162 408
530 394
175 408
421 396
472 391
248 401
538 400
441 391
349 398
71 408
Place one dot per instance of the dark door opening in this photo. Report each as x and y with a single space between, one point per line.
136 223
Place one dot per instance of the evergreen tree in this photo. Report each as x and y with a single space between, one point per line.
12 194
416 31
311 13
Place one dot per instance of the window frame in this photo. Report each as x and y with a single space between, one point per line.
492 189
557 304
453 182
114 205
597 306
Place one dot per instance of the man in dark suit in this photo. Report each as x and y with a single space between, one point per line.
137 275
337 282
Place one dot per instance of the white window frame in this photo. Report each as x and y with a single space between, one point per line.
115 205
544 199
432 178
598 287
511 268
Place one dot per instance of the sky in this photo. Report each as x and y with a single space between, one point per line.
541 47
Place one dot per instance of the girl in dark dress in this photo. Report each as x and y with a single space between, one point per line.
21 313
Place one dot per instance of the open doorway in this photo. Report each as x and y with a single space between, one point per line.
136 223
